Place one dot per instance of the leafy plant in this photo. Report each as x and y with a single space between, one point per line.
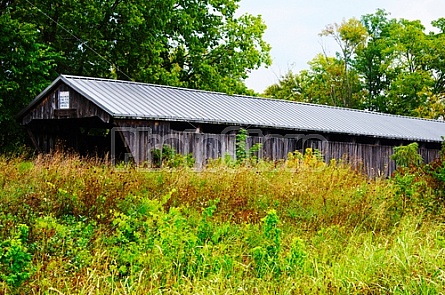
266 231
205 228
266 256
297 257
15 258
241 146
168 157
421 185
407 156
312 158
244 155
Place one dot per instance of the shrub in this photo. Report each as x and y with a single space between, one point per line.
407 156
15 259
266 256
244 155
168 157
420 186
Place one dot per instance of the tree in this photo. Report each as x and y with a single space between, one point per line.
385 65
322 83
287 88
196 44
329 80
26 67
349 35
373 60
401 66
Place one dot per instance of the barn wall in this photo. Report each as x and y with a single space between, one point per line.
142 137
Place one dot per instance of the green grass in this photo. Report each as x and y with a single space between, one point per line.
77 226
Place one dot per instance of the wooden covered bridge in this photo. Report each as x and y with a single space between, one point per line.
129 119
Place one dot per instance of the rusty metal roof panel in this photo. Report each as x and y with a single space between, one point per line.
125 99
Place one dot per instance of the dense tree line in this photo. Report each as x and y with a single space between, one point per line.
196 44
384 64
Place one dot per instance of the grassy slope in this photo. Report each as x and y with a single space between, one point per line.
81 227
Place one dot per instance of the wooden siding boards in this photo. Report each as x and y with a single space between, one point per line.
80 107
371 159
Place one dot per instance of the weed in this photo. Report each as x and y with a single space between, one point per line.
15 258
315 228
244 155
168 157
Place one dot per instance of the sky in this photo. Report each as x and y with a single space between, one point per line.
293 28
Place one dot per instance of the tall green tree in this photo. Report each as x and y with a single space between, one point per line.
383 64
197 44
323 83
188 43
410 58
399 66
373 61
26 67
350 36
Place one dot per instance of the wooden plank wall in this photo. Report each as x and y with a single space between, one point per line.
80 107
373 160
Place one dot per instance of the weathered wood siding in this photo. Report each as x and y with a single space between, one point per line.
79 107
373 160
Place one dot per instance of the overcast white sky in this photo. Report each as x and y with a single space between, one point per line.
293 27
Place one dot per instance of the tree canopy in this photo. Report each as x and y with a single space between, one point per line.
383 64
195 44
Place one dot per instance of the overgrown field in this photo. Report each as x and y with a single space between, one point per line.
72 226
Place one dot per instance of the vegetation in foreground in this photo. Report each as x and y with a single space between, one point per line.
72 226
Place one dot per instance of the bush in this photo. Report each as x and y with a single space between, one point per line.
420 186
407 156
15 259
243 155
169 158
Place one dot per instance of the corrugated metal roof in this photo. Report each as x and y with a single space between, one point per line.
123 99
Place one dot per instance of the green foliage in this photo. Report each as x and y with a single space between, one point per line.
15 258
244 155
407 156
205 228
323 83
168 157
298 256
194 44
312 158
268 230
241 146
66 238
421 185
266 256
383 64
27 65
272 232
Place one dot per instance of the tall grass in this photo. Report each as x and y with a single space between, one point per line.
80 226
